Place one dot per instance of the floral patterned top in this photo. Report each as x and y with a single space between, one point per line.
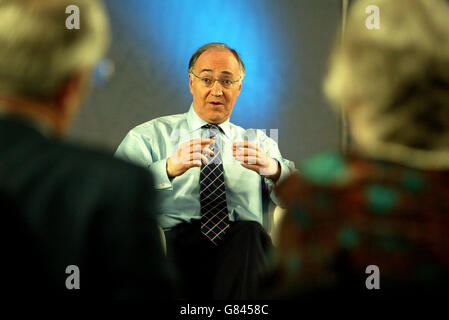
345 213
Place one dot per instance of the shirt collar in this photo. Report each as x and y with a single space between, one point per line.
195 122
42 126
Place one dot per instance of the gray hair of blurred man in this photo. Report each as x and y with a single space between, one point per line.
38 53
394 82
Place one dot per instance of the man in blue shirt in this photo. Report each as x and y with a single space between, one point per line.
214 181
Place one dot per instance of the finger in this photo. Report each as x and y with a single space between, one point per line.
200 141
200 158
244 152
251 167
199 145
204 159
207 141
194 148
197 155
248 159
192 156
194 163
245 144
197 161
208 150
195 142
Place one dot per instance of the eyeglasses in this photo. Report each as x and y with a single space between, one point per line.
209 81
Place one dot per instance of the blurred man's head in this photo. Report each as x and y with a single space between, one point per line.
214 100
41 61
394 82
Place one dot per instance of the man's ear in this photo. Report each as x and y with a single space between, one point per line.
70 94
240 85
190 83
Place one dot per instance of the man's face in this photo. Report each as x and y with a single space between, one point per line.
214 104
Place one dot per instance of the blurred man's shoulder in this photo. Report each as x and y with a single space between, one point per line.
85 161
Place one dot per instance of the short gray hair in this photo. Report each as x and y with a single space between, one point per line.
38 52
216 45
397 77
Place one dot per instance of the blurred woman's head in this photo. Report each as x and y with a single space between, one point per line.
393 82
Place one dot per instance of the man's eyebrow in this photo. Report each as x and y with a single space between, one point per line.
223 72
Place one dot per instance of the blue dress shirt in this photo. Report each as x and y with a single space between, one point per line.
152 143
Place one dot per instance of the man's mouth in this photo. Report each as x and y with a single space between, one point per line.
216 103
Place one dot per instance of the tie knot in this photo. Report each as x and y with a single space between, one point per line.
209 126
213 129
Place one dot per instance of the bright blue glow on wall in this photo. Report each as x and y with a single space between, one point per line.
173 29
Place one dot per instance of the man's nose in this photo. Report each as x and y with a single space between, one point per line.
216 89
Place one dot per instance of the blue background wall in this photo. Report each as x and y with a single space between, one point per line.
284 45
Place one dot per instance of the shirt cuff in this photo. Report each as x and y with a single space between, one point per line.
285 172
159 171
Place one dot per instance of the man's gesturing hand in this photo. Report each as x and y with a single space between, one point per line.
190 154
254 158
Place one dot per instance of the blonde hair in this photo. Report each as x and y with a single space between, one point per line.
394 81
38 52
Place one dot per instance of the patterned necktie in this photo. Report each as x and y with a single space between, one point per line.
214 211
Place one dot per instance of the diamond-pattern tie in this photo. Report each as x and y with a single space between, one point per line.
214 211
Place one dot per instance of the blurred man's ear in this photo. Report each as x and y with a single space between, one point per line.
71 93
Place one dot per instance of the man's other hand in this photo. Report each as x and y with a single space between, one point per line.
254 158
190 154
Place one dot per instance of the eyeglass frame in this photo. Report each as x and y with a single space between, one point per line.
233 82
